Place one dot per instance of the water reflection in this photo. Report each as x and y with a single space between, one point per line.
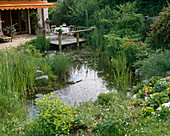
89 88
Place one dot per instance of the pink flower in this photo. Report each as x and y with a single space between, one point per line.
145 92
122 18
126 14
119 18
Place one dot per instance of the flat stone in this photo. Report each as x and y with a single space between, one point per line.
42 77
39 72
145 81
39 95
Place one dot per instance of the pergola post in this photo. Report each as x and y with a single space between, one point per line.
29 22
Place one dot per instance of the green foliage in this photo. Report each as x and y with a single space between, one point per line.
122 74
146 28
59 14
133 50
82 12
41 43
17 73
163 113
59 64
150 84
128 24
156 64
162 84
105 99
147 111
160 30
54 116
157 99
96 118
151 7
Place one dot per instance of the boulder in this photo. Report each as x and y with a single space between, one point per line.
164 105
42 80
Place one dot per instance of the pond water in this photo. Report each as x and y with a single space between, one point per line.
93 81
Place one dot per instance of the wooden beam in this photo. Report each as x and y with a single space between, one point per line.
78 36
59 41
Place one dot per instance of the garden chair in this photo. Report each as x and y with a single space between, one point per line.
4 38
70 35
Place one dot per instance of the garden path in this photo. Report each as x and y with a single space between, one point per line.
17 41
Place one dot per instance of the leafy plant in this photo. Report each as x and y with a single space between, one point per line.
41 43
155 65
59 30
54 116
105 99
147 111
133 49
157 99
162 84
59 64
160 30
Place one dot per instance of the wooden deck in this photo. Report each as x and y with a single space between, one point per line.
67 41
58 38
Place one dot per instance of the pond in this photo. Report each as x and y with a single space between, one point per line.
89 77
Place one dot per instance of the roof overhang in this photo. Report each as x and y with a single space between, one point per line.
14 5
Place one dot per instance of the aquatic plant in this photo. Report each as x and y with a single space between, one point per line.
122 74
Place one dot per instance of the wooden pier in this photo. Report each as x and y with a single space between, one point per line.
62 38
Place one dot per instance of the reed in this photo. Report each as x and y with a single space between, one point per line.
17 73
122 74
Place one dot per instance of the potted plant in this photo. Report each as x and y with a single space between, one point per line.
10 30
59 31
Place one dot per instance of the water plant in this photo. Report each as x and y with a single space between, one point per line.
122 74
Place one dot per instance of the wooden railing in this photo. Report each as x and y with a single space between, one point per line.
77 36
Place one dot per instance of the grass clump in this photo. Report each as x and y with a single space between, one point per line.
122 74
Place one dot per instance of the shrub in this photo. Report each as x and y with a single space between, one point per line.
147 111
54 116
160 30
128 24
146 28
156 65
162 84
60 64
145 91
157 99
105 99
41 43
133 49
